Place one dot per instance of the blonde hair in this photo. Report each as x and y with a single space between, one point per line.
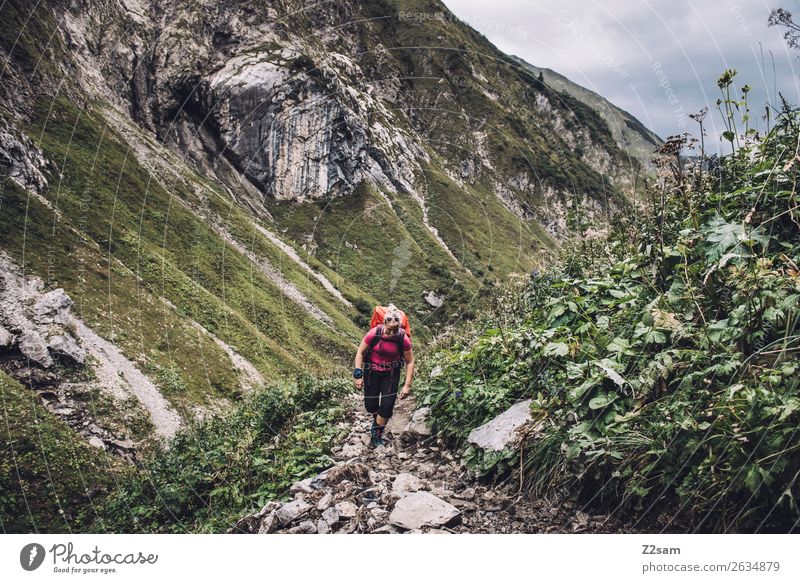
392 310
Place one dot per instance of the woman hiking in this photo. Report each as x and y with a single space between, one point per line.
379 358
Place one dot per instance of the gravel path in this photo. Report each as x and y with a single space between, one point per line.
413 484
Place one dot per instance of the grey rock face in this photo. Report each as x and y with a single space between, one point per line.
33 346
423 509
304 134
499 432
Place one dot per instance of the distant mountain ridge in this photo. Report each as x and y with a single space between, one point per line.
631 135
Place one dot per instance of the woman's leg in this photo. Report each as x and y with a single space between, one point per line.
388 394
372 391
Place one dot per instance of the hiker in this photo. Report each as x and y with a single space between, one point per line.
379 358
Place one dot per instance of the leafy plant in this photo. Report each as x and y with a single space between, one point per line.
664 357
219 469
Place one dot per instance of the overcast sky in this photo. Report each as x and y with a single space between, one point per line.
657 59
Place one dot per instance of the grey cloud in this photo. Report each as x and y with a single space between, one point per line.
611 47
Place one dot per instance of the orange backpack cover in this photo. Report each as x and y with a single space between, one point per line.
380 312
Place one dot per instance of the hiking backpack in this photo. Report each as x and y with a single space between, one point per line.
380 312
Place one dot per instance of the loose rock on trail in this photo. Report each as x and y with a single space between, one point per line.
414 484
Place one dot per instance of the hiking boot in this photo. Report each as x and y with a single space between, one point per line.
376 435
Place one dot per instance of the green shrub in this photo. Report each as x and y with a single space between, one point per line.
664 359
217 470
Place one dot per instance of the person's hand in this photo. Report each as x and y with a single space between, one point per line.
405 392
359 383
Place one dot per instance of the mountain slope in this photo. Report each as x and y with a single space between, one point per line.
226 189
629 133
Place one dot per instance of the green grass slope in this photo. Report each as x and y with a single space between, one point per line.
50 479
118 241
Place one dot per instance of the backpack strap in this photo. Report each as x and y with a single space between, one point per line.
401 334
378 336
373 343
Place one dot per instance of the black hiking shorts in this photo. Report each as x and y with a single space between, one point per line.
380 391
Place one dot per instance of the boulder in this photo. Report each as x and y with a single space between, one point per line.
406 483
305 527
351 450
268 508
32 345
303 486
291 511
52 308
253 522
417 425
97 442
386 529
379 513
269 523
323 527
434 300
498 433
67 346
423 509
325 502
123 443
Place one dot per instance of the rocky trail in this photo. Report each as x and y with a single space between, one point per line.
413 484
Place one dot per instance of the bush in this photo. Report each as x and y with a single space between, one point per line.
664 358
217 470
